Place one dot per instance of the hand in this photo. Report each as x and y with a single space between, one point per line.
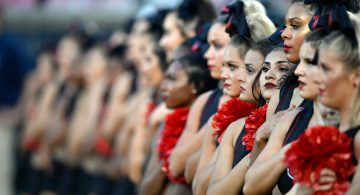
326 180
300 189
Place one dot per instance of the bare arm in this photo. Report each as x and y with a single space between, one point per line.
154 177
191 165
263 175
223 176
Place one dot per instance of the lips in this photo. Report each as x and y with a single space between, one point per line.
321 91
270 86
301 85
242 89
287 48
211 67
226 85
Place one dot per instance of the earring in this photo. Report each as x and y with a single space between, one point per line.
194 91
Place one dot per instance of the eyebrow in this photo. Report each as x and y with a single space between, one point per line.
292 19
282 62
249 64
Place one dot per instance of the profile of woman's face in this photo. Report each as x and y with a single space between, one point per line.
275 66
151 69
172 36
306 72
296 21
217 40
336 86
175 89
253 62
67 53
233 65
95 64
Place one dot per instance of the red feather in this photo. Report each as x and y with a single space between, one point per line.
252 124
174 126
229 112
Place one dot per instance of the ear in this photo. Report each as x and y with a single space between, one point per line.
355 77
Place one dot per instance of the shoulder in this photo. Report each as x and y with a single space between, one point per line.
357 146
235 128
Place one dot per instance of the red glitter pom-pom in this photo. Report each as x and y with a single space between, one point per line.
174 126
229 112
318 148
252 124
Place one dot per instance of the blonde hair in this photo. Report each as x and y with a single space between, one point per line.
260 26
355 111
253 6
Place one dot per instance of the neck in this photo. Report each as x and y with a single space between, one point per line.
345 118
317 113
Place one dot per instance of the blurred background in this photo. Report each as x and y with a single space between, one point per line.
27 26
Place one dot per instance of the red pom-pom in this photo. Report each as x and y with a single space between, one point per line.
174 126
252 124
31 144
103 147
229 112
318 148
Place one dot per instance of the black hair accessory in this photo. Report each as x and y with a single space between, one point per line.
332 15
236 21
275 39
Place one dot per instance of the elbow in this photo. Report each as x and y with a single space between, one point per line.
248 187
176 165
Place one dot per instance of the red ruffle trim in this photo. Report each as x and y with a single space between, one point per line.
31 144
149 109
252 124
103 147
174 126
229 112
318 148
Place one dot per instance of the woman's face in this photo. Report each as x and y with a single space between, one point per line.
296 21
95 64
274 68
172 36
336 82
45 67
175 88
67 53
217 39
306 71
151 67
253 62
136 40
232 67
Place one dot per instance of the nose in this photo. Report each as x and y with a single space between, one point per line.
242 76
163 41
209 53
300 69
269 74
225 74
286 34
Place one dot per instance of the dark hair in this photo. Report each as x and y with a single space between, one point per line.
260 100
195 12
350 5
161 55
264 48
241 43
155 21
198 73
